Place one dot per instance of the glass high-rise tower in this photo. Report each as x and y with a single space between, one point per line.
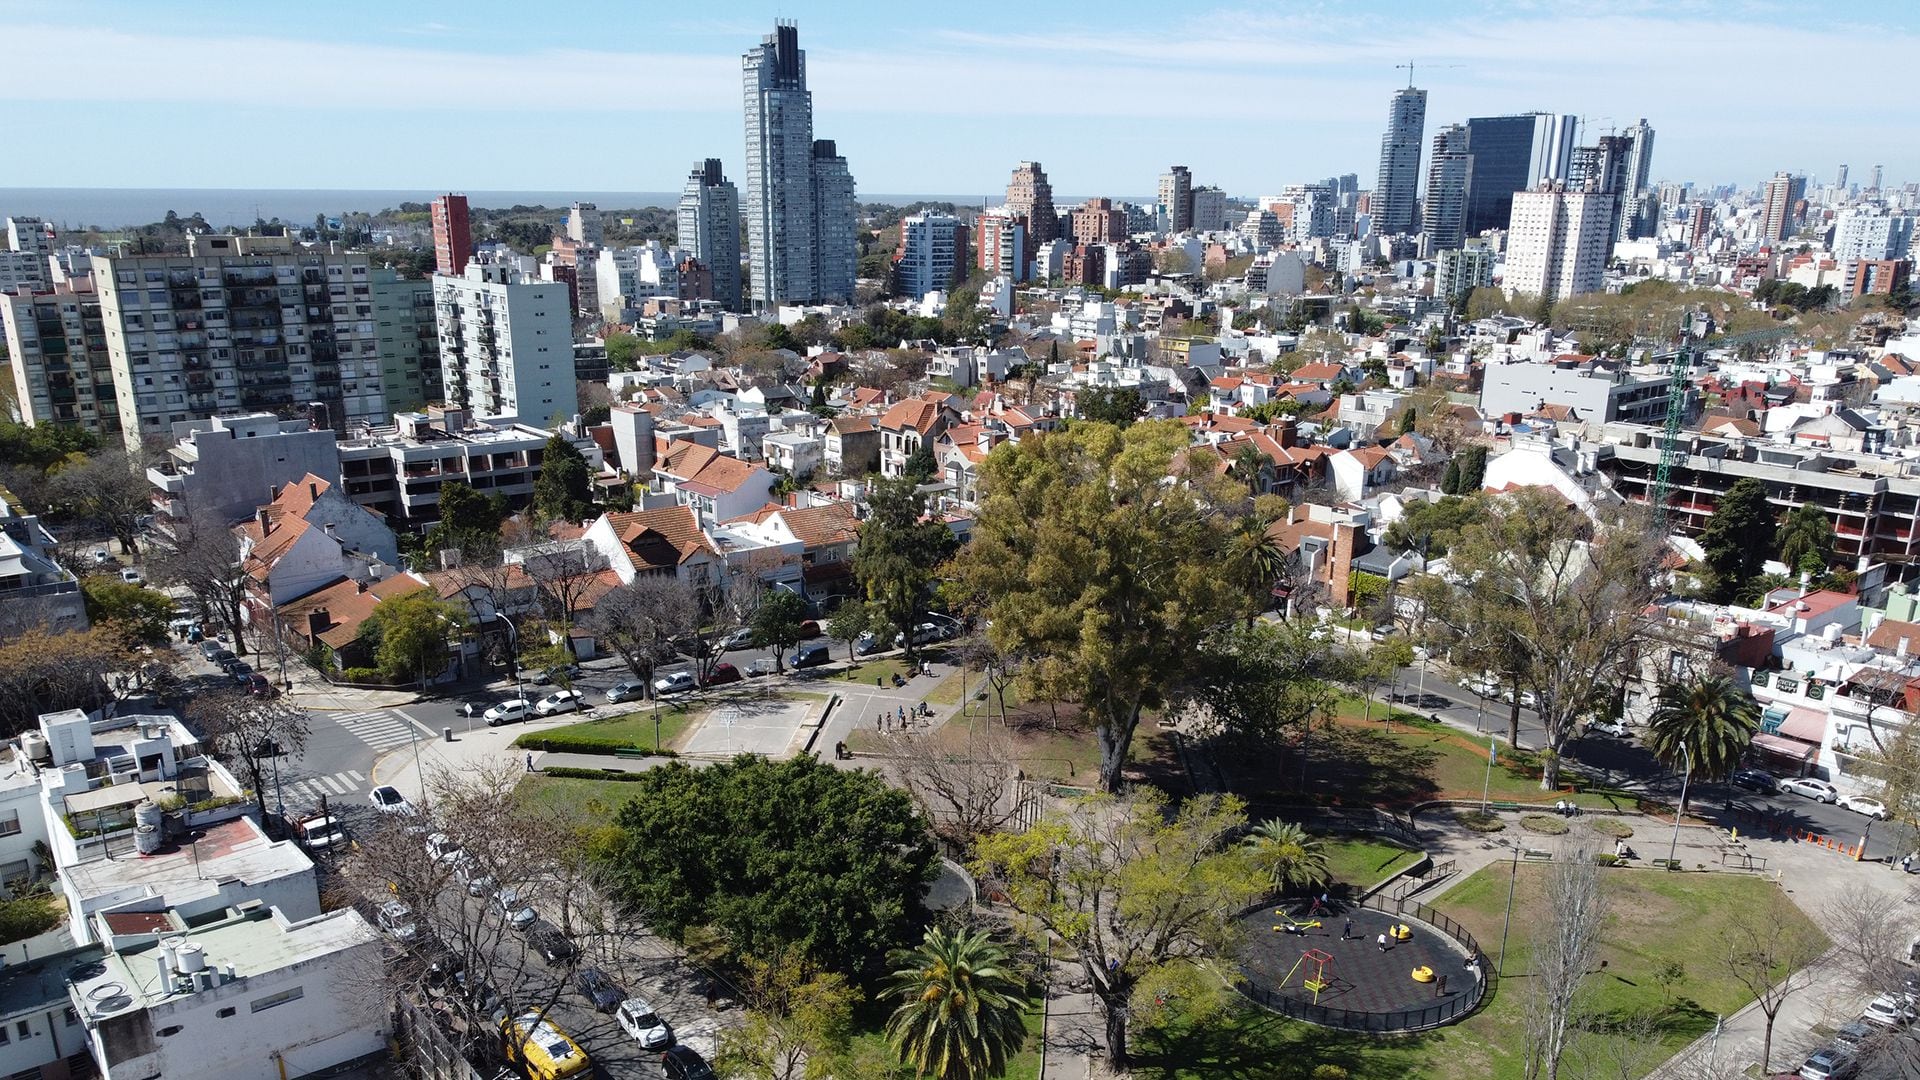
1397 187
796 187
709 228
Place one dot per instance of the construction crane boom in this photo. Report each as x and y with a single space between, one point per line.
1678 368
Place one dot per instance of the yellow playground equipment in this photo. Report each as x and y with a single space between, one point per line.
1318 979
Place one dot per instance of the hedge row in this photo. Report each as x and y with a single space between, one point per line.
567 772
565 742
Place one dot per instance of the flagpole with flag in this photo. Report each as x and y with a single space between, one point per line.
1493 755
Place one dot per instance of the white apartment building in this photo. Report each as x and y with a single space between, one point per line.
1460 271
62 369
1557 245
506 343
409 338
931 254
240 323
709 228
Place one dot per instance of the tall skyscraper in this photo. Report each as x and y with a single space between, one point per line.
709 228
1700 225
790 259
1176 196
506 343
1779 197
1000 244
1840 178
1557 242
1873 179
1209 209
1513 153
452 234
1397 186
836 224
583 224
1443 216
1636 210
1030 196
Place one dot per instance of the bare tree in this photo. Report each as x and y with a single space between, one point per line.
639 619
202 554
1562 958
109 489
252 730
966 794
564 574
1769 959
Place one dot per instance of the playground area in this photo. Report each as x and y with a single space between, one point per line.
1357 967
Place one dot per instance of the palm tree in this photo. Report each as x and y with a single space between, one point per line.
1259 560
1704 722
962 1014
1293 857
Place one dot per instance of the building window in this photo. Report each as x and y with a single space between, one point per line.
225 1013
10 823
169 1031
271 1000
24 1028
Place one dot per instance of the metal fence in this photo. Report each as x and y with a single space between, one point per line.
431 1052
1431 1016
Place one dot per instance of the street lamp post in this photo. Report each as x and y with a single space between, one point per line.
513 656
1685 778
1513 875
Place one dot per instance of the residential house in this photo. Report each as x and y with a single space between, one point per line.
667 541
1320 543
828 535
910 425
718 487
334 615
311 535
852 446
34 588
1359 473
798 452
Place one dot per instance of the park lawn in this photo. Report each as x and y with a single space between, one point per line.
1654 918
885 668
948 690
633 729
1024 1066
1363 862
580 802
1067 754
1418 760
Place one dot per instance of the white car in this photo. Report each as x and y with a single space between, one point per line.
1807 787
388 800
765 665
519 912
638 1019
561 701
396 918
674 683
1861 804
442 848
508 711
1608 727
739 639
1888 1010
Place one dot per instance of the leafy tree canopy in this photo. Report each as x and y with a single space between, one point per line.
564 489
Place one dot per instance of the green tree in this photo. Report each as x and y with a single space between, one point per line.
1473 469
1429 527
921 466
110 490
848 622
409 634
1260 687
1144 897
1738 538
1705 722
901 548
564 489
798 1027
775 855
1292 858
776 623
1450 479
137 613
962 1011
469 521
1806 539
1119 406
623 351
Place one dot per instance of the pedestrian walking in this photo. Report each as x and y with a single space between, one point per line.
1906 863
902 711
877 718
1441 984
1346 930
1382 942
529 761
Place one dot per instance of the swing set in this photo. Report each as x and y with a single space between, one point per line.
1318 979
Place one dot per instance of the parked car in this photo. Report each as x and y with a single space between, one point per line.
684 1063
321 832
102 557
220 655
131 576
211 648
508 711
677 682
739 639
1756 780
809 629
1614 728
1861 804
1889 1010
569 672
552 945
475 877
1854 1035
807 656
630 690
561 701
867 644
442 848
637 1018
723 674
1828 1063
1807 787
598 987
388 800
258 686
925 633
513 901
765 665
396 919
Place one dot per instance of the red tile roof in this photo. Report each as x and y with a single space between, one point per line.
660 539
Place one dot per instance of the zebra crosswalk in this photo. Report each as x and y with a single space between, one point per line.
381 729
350 784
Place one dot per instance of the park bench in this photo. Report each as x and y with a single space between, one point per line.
632 752
1537 854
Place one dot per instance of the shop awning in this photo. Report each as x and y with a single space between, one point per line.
1791 749
1805 725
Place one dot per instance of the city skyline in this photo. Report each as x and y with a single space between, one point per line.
402 92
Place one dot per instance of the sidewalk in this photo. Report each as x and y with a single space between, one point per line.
309 691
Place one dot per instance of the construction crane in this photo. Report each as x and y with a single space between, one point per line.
1679 367
1409 66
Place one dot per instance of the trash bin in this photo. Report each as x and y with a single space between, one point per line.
447 733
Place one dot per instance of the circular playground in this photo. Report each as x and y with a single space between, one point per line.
1358 967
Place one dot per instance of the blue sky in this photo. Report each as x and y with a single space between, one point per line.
624 95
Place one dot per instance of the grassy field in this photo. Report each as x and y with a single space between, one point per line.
1362 862
1654 920
581 802
631 729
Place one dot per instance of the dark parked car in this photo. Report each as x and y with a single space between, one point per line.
552 945
596 986
1755 780
684 1063
723 674
258 686
807 656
